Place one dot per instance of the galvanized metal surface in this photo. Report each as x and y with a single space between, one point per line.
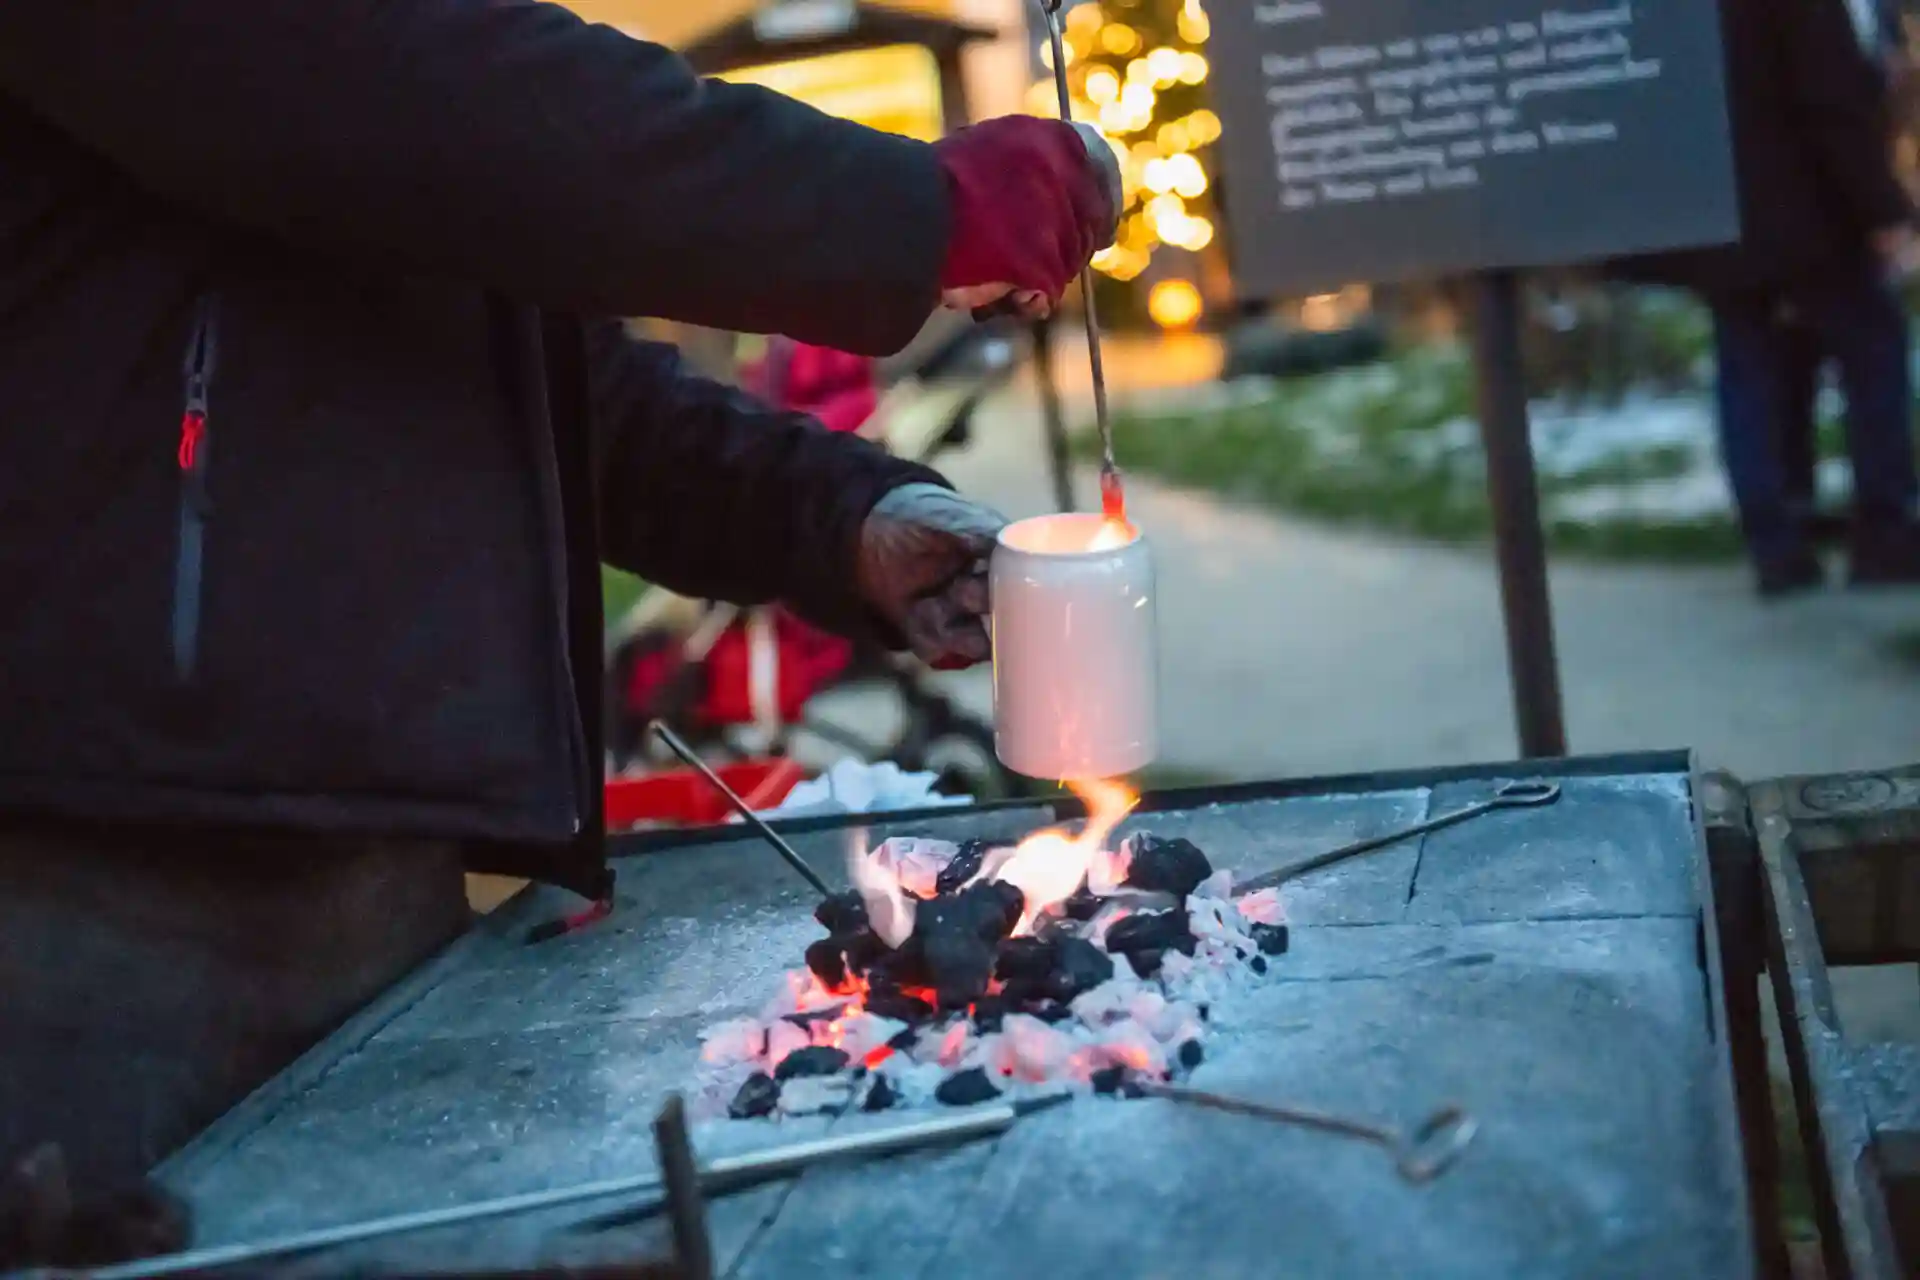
1542 968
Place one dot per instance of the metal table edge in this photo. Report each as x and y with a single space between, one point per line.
1850 1200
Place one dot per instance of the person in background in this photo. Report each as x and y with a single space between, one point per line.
318 425
1826 225
1881 31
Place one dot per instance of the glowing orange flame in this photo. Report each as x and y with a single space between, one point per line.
1113 534
1049 866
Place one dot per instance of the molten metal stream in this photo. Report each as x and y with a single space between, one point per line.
1113 498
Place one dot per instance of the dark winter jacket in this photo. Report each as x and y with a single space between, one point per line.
310 445
1812 140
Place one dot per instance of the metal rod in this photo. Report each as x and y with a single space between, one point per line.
1519 543
717 1177
686 1207
1109 472
785 850
1512 795
1421 1157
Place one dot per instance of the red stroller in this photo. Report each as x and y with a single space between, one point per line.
718 673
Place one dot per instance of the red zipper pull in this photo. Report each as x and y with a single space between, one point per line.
193 428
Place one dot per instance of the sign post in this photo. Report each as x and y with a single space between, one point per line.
1383 140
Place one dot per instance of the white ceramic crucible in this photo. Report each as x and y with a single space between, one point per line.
1076 678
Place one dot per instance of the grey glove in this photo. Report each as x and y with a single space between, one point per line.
923 568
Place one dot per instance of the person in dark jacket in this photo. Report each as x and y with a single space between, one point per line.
317 429
1824 225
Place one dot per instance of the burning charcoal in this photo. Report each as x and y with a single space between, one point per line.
1272 938
966 1088
814 1017
1263 906
810 1095
881 1096
895 1004
989 1012
828 962
964 867
1024 958
1031 1050
1145 963
1166 866
863 950
1078 966
735 1041
843 913
814 1060
1082 906
905 967
757 1097
1191 1054
1156 931
961 968
784 1038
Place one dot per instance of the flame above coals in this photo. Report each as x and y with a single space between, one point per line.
1048 866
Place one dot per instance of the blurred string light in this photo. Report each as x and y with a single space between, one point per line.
1137 72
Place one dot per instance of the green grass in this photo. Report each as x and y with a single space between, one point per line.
1367 448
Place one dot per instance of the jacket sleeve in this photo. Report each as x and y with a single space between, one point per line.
712 494
502 142
1840 102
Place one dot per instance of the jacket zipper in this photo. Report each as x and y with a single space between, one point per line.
192 456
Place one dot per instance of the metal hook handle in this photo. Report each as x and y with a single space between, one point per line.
1439 1140
1525 795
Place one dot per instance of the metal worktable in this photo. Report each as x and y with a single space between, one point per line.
1548 969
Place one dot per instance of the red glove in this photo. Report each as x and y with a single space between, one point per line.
1033 200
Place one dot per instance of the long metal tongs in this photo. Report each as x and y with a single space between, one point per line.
1112 499
715 1177
1511 795
1419 1155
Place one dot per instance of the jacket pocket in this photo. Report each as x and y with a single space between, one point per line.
193 455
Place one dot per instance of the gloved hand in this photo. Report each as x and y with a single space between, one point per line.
923 568
1031 201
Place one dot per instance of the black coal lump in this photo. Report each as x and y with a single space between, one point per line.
1078 967
1051 1012
1192 1055
990 1012
1152 931
1258 964
842 913
966 1088
1272 938
757 1097
814 1060
887 1002
1166 866
1108 1079
1146 963
960 968
828 962
1024 958
1083 905
881 1096
965 865
863 949
904 1040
